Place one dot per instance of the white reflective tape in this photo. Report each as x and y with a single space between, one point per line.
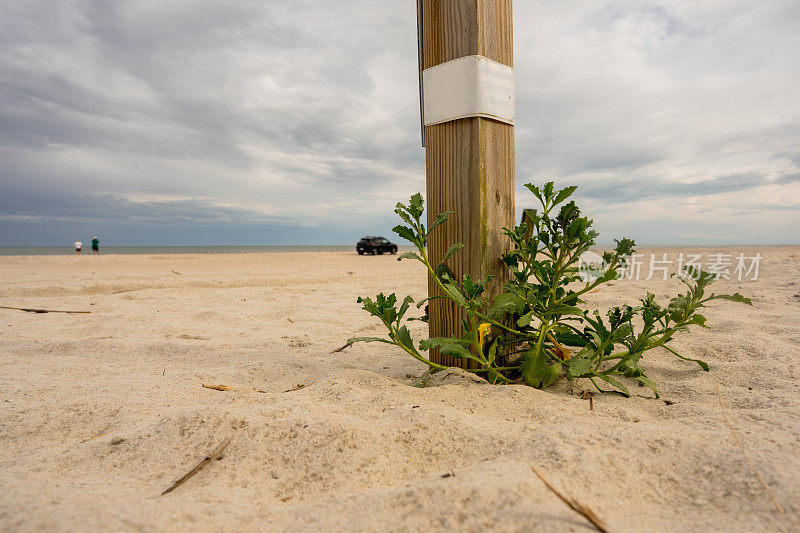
470 86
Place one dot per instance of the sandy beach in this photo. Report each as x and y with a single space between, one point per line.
102 412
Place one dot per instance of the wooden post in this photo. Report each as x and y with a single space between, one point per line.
469 162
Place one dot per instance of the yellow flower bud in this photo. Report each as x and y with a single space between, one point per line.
483 330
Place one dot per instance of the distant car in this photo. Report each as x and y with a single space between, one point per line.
375 245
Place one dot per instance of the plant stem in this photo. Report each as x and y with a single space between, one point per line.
561 350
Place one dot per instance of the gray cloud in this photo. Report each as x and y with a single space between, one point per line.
305 113
789 178
633 190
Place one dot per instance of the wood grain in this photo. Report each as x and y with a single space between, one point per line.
469 162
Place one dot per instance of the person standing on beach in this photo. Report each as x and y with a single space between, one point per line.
78 246
95 245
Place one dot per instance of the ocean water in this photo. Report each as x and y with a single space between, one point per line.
87 250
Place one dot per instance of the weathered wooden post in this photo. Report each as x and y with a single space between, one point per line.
468 114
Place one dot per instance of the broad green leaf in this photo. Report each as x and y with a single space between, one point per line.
537 372
456 350
427 344
506 302
457 294
571 339
578 366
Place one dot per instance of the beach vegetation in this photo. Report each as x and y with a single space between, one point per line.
538 330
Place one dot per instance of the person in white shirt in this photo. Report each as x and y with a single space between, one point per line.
78 246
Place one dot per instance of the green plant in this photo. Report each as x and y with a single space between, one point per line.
535 331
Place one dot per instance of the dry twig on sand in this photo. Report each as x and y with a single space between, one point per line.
103 434
217 387
341 348
298 387
31 310
126 290
744 453
588 395
202 464
573 504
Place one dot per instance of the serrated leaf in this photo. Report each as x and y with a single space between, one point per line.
698 320
404 337
404 306
622 331
610 275
409 255
564 193
406 233
441 219
402 212
526 319
415 206
450 251
547 190
535 190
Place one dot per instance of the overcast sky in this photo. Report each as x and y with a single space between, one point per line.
275 122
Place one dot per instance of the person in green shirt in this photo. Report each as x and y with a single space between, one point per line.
95 245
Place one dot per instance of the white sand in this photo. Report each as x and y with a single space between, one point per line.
102 412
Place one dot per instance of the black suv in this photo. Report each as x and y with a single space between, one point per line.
375 245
